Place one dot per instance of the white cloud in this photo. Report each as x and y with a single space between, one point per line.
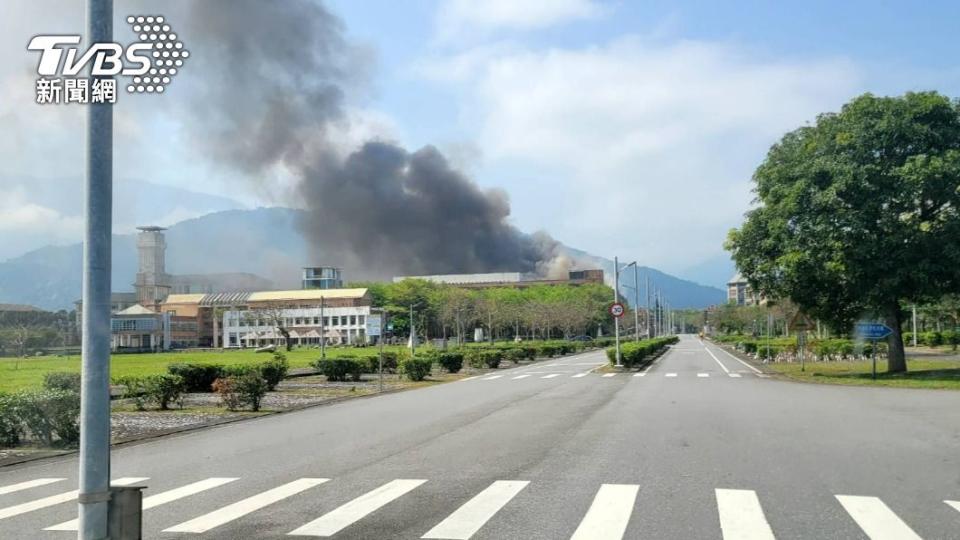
636 148
469 17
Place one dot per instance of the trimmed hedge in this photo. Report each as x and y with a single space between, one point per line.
50 416
197 377
633 353
339 369
416 368
451 361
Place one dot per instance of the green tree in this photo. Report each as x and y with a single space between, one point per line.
859 213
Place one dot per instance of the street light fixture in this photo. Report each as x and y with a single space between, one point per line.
616 300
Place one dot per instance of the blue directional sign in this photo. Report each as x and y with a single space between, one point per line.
873 330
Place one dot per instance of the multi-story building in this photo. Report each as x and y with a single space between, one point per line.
322 277
304 317
740 293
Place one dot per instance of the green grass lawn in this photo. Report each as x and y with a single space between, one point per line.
24 373
938 374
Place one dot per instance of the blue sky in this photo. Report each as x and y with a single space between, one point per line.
626 128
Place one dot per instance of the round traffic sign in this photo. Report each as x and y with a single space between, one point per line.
617 309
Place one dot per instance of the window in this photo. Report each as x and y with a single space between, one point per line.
336 321
353 320
326 321
360 319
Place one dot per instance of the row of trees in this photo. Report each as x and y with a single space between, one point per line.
538 312
23 332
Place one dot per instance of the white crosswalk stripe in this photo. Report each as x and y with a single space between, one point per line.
578 375
550 376
954 504
13 488
741 517
521 377
492 377
333 522
735 375
609 374
641 374
876 519
609 513
671 374
241 508
469 518
59 498
159 499
703 375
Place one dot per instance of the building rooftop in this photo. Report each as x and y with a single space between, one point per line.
237 298
136 309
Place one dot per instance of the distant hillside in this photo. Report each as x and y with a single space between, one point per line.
263 241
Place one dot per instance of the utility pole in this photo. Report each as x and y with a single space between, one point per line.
94 493
323 332
647 292
616 299
413 335
636 303
914 325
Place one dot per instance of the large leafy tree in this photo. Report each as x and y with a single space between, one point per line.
859 213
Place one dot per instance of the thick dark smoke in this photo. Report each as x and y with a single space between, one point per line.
274 80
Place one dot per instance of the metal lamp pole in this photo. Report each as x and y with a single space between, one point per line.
323 332
616 298
636 303
94 493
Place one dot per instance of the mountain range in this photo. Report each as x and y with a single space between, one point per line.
262 241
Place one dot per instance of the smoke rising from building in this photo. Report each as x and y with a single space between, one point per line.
273 80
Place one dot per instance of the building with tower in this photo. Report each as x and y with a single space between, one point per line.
153 284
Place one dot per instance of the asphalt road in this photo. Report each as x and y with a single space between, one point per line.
699 446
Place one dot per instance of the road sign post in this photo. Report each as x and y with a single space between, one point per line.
874 332
801 323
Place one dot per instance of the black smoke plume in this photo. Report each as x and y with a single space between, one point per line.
274 80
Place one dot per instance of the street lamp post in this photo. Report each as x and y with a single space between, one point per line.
413 331
323 332
94 493
383 325
616 299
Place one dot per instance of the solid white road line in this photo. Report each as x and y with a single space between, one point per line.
241 508
521 376
741 516
702 375
469 518
578 375
52 500
609 374
755 370
492 377
954 504
336 520
159 498
552 375
725 370
876 518
609 514
13 488
670 375
736 375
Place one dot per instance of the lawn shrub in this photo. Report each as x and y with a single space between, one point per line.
416 368
252 387
226 388
134 389
481 358
273 371
338 369
515 354
11 427
164 389
62 380
451 361
196 377
492 358
51 416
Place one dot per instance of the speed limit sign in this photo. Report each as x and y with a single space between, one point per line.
617 309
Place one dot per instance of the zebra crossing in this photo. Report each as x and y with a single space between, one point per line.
739 512
640 374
